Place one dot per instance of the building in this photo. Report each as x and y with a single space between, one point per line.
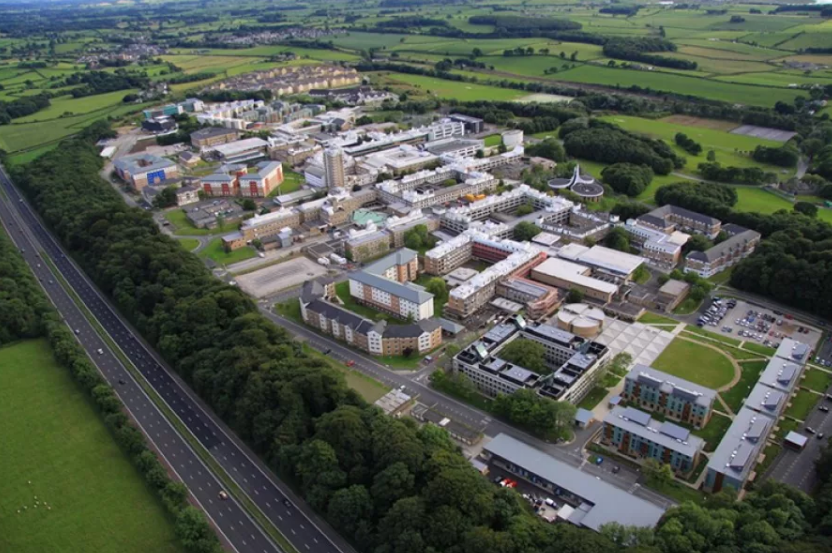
669 395
140 170
539 300
794 351
740 243
669 218
238 180
207 214
635 434
461 147
574 363
189 159
334 175
581 319
187 195
387 285
241 151
604 261
671 294
733 462
568 276
472 125
581 184
159 125
213 136
376 338
369 243
591 502
399 226
658 247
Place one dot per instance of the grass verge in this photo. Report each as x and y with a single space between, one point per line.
593 398
750 374
802 404
713 432
816 379
228 483
655 319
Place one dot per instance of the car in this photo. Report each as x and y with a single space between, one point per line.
77 331
599 460
287 502
615 469
99 351
823 408
121 381
810 430
350 363
327 351
820 436
222 495
510 483
498 479
828 397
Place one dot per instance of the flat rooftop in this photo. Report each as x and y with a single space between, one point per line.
602 502
573 273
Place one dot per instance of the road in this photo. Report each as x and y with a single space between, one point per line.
302 528
416 384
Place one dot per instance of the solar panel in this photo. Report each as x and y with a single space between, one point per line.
757 428
687 394
741 457
649 380
638 417
786 374
674 431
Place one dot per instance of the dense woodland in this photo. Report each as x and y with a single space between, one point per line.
386 484
22 107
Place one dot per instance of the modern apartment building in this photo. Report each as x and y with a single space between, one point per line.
386 285
669 218
140 170
637 435
669 395
732 464
574 363
740 243
238 180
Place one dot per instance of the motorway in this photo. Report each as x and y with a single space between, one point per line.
301 527
416 384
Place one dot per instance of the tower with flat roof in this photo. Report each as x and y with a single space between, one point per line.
334 168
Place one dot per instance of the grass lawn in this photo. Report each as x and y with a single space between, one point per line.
802 404
654 318
771 452
764 350
183 226
722 277
53 437
30 155
217 253
696 363
785 426
370 389
688 306
493 140
292 182
712 335
713 431
816 379
189 244
593 398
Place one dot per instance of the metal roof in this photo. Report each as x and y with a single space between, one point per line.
780 374
400 257
792 350
603 502
665 434
672 385
741 444
138 164
409 292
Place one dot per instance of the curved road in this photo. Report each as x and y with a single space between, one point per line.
294 519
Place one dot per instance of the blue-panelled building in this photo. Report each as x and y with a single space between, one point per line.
669 395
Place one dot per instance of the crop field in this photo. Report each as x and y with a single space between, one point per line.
365 41
66 484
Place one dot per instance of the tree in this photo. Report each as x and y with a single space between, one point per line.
618 239
249 205
419 238
574 296
657 474
480 154
437 287
349 507
806 208
698 243
525 231
525 209
526 353
626 178
549 148
711 156
688 144
165 198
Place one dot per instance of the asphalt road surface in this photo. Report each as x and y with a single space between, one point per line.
293 518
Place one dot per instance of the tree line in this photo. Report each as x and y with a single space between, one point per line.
641 49
713 170
26 313
22 107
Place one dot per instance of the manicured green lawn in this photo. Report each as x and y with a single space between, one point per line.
713 431
688 306
802 404
712 335
217 253
189 244
785 426
722 277
370 389
493 140
696 363
750 374
655 319
292 182
183 226
771 452
764 350
816 379
593 398
56 451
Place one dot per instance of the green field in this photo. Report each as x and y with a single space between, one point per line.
370 389
493 140
453 90
713 432
182 226
215 252
189 244
90 497
816 379
292 182
654 319
342 289
695 362
802 404
751 371
76 106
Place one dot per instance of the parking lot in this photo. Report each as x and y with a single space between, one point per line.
743 321
271 280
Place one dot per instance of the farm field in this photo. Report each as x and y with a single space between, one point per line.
53 438
76 106
695 362
455 90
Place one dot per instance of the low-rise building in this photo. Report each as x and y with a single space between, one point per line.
387 285
635 434
540 300
732 464
187 195
461 147
369 243
661 248
238 180
603 261
740 243
670 218
567 275
240 151
671 294
208 214
473 125
140 170
668 395
213 136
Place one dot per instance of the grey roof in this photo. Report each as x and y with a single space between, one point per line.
780 374
766 400
333 312
738 239
399 257
793 350
450 146
210 132
137 164
410 330
603 502
741 444
666 211
408 291
665 434
553 334
798 439
311 291
583 416
450 326
672 385
526 286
